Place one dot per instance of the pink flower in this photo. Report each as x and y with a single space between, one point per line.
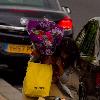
49 36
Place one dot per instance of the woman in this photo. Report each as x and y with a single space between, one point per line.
52 49
63 61
67 56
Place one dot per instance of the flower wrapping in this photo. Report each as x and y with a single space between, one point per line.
46 35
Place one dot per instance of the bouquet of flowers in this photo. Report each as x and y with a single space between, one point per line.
46 35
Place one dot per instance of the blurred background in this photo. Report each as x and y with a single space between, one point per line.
82 11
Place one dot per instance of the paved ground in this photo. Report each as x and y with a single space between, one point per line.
8 92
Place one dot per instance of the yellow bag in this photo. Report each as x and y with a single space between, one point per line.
38 79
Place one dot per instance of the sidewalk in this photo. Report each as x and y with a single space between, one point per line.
8 92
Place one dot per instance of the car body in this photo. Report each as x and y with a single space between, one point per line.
15 45
88 41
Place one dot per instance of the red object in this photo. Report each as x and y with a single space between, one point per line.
66 23
97 79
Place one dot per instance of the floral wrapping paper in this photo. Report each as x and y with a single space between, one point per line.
46 35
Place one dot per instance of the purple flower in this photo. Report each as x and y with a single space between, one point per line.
45 34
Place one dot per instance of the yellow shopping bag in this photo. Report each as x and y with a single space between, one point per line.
38 79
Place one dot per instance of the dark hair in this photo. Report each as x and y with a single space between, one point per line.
68 47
